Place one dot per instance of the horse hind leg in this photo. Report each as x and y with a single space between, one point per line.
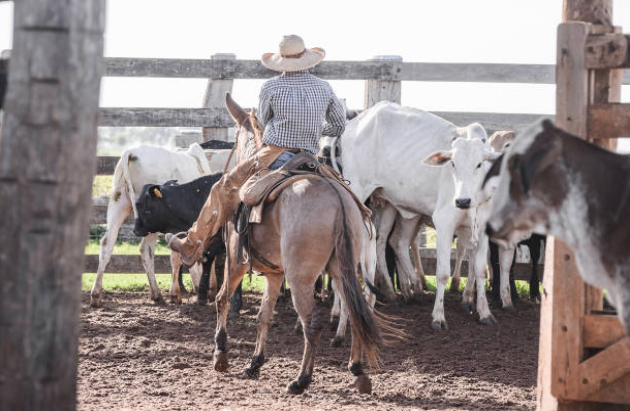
265 316
311 318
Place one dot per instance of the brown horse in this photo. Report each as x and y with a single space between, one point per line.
313 225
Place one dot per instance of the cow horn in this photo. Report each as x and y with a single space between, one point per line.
238 114
157 192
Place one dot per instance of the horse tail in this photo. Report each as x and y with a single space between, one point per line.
364 322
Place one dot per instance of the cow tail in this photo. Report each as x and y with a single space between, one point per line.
124 162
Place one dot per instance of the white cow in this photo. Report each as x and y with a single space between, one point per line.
383 149
137 167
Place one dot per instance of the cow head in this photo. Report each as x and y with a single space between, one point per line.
501 140
466 161
152 209
529 186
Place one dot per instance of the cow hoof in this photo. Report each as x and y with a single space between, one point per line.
252 373
295 388
509 309
175 299
439 325
336 342
221 361
363 384
202 301
233 314
95 301
467 307
334 323
488 320
159 300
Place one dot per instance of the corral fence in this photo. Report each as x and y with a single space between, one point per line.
383 78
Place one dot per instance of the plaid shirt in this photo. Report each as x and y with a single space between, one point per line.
297 109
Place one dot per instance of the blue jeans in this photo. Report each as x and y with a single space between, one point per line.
283 158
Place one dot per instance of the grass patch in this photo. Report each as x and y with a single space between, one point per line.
139 282
123 247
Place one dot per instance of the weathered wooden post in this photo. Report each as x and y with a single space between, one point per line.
214 98
379 90
4 71
47 160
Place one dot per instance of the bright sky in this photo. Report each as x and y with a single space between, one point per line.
486 31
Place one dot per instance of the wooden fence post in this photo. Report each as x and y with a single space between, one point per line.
47 160
214 98
379 90
4 71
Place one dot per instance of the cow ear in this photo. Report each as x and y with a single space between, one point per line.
539 158
439 158
154 191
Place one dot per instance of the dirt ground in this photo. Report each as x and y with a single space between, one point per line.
139 356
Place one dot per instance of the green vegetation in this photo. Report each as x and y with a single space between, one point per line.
123 247
102 186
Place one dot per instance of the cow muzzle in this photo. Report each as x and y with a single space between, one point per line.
463 203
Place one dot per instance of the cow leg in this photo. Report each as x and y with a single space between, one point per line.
480 259
147 253
237 301
117 211
534 282
457 271
506 258
223 306
342 313
417 260
495 269
444 228
195 276
402 237
335 311
387 217
265 316
175 292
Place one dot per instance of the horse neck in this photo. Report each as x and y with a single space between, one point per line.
248 144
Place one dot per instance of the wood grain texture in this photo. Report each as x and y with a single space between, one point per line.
607 51
604 368
610 120
214 97
598 12
47 161
600 331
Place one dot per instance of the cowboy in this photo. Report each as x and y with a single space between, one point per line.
295 108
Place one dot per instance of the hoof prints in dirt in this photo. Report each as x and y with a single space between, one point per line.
134 354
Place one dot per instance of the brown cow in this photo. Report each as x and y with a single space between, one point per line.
552 182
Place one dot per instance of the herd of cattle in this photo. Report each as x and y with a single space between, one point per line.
416 169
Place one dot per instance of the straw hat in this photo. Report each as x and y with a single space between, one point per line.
293 56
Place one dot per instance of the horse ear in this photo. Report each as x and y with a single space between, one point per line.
238 114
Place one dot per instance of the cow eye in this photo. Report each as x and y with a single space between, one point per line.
479 165
453 164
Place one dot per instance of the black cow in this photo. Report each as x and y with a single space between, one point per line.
173 208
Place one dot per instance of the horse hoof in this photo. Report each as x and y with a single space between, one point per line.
336 342
467 307
509 309
295 388
252 373
438 325
363 384
488 320
221 361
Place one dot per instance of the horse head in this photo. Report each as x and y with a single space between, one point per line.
249 131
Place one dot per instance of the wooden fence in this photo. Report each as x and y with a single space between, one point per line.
382 75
